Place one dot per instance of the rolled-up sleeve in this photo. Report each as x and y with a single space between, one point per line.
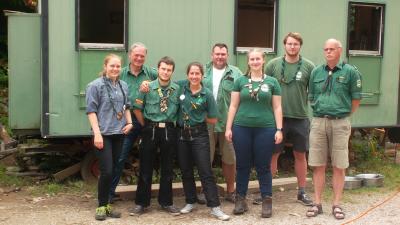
92 99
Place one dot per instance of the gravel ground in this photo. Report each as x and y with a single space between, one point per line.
20 208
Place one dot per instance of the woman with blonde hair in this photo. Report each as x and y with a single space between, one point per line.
254 125
108 112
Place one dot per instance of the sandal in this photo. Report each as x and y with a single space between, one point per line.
337 212
314 210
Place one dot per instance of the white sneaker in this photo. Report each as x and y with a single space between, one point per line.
217 212
187 209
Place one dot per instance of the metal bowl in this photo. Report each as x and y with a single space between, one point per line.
352 183
371 179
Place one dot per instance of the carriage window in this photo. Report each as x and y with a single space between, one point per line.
256 24
101 24
365 28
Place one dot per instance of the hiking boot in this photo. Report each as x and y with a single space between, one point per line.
111 213
187 209
266 210
257 201
230 197
217 212
136 211
101 213
240 205
201 198
171 209
304 199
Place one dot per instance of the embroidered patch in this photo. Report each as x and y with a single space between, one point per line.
358 83
264 88
299 75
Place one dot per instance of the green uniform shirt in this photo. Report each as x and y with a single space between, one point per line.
149 102
253 113
224 92
194 109
134 82
332 95
294 84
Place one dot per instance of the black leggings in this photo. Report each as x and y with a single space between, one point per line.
108 157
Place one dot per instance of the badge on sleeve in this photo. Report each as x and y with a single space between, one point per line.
358 83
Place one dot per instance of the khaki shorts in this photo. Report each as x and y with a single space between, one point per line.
329 137
225 148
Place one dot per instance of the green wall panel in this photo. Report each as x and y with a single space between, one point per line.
370 68
24 70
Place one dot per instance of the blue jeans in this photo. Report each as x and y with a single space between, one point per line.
253 147
107 157
129 141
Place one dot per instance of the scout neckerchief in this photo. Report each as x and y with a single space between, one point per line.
289 79
109 90
254 93
163 99
328 82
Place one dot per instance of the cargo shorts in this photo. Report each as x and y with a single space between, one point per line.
225 148
329 138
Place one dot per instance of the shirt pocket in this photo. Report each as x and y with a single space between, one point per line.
227 84
319 84
152 106
341 84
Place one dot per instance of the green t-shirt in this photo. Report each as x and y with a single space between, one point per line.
194 109
294 84
253 113
332 96
149 102
134 82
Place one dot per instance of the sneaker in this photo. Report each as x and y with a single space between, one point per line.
230 197
304 199
217 212
111 213
136 211
171 209
257 201
101 213
201 198
187 209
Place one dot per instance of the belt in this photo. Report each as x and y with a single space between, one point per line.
195 127
150 123
329 117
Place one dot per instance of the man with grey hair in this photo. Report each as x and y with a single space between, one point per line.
133 74
334 94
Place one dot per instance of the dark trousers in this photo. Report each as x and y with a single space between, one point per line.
253 147
108 157
194 150
129 141
153 139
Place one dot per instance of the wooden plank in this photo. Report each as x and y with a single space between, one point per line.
61 175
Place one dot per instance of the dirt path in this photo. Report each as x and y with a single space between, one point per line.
20 208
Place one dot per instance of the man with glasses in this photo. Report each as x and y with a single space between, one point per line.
293 73
334 94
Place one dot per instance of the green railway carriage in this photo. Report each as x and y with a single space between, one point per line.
54 54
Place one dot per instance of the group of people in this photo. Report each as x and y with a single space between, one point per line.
248 117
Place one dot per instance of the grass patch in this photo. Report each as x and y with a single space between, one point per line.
12 181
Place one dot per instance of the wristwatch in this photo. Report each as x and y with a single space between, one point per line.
279 129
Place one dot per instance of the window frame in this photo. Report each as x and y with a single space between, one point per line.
379 52
102 46
238 49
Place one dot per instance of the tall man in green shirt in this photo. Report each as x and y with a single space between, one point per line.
293 73
133 74
219 78
334 94
156 110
